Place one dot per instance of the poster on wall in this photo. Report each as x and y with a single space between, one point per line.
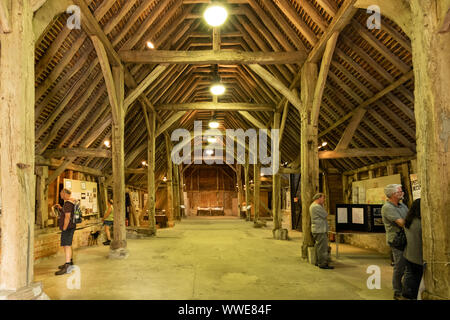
375 196
415 186
342 215
358 215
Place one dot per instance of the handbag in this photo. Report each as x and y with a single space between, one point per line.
399 241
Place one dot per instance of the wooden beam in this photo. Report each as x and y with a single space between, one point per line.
133 95
53 163
59 170
107 74
366 152
406 77
255 122
322 80
211 57
216 106
169 122
78 152
339 22
92 28
277 84
5 22
351 129
37 4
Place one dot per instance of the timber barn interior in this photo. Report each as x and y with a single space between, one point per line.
97 96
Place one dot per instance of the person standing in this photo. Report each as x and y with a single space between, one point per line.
319 230
394 213
413 252
67 227
108 221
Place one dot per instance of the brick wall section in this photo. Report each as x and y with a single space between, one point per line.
47 241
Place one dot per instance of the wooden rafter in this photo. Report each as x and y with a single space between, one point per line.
211 57
215 106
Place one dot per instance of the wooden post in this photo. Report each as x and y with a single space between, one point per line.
151 199
431 59
176 192
169 182
102 195
247 188
309 160
181 190
257 189
17 157
276 185
406 182
41 196
345 188
119 244
239 187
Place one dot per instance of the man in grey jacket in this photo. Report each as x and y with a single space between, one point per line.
319 230
394 213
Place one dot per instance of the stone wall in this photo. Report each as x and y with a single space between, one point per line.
373 241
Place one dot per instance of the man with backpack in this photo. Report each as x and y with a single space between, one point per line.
67 224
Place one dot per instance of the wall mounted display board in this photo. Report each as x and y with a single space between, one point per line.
359 217
86 192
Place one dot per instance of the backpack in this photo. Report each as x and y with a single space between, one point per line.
77 213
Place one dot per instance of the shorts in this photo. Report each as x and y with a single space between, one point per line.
108 223
67 237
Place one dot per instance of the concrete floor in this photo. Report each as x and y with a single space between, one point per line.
216 259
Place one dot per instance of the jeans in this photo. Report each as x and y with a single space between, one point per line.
413 275
399 270
321 248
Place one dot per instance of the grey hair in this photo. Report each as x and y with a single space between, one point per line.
318 196
390 189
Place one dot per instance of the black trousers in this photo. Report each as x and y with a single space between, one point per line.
411 280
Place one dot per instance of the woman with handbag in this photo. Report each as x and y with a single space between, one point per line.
413 252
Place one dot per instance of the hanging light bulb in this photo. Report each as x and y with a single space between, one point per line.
209 152
150 45
217 89
165 179
215 15
212 140
107 143
213 123
144 163
324 143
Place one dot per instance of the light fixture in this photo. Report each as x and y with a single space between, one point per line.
217 89
323 144
212 140
262 174
209 152
107 143
144 163
213 123
215 15
165 179
150 45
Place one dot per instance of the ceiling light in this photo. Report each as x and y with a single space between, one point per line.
107 143
214 124
209 152
144 163
262 174
150 45
165 179
217 89
212 139
215 15
324 144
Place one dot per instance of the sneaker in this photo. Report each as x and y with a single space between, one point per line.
326 267
107 243
63 270
62 266
397 296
